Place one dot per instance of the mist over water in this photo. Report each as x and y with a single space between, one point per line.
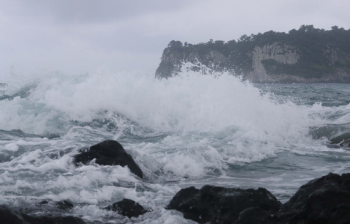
189 130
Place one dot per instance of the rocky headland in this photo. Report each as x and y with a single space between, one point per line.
305 55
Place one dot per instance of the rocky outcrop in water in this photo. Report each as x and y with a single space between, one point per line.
324 200
224 205
304 55
108 153
8 216
127 208
52 220
62 205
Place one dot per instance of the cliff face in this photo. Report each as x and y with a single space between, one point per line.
283 54
268 57
174 62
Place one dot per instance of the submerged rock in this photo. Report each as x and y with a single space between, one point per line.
52 220
109 153
62 205
9 216
127 208
342 140
225 205
323 200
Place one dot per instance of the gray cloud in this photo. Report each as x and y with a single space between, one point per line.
89 11
81 35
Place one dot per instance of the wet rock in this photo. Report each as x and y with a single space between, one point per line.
323 200
256 215
342 140
43 202
225 205
62 205
53 220
9 216
109 153
127 208
53 136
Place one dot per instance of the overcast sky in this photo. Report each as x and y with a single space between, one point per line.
77 36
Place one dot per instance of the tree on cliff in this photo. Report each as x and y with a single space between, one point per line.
175 44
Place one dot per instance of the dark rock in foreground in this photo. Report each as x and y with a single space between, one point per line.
128 208
225 205
8 216
109 153
323 200
53 220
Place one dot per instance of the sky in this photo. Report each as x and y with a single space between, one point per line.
79 36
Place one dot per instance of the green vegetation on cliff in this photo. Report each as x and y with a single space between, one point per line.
321 53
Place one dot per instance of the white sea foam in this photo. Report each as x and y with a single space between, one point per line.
12 147
198 103
210 120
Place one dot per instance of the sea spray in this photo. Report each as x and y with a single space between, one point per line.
189 130
184 103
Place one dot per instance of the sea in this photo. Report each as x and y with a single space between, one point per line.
188 130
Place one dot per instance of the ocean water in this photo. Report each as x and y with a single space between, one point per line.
189 130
